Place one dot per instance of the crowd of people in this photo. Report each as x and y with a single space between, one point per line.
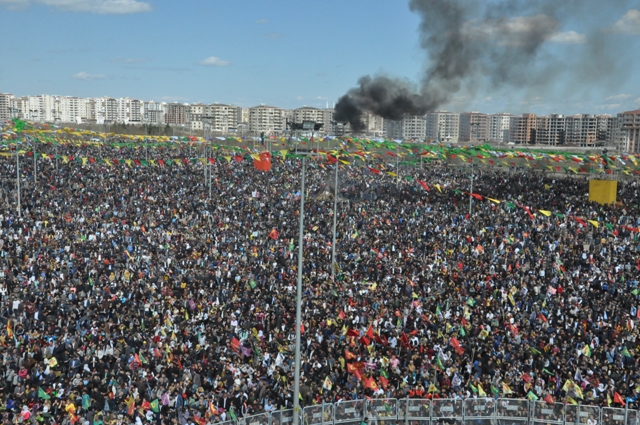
128 295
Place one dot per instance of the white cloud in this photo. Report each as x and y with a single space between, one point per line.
629 23
214 61
620 96
609 106
568 37
105 7
637 101
88 77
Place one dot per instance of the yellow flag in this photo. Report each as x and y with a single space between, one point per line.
595 223
84 161
391 174
545 212
494 200
108 162
282 152
438 187
345 162
128 162
481 392
228 158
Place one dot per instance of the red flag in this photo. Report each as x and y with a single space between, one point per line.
370 383
332 159
351 368
349 355
274 234
370 332
549 399
528 212
374 170
342 315
364 340
581 221
404 340
617 398
353 332
477 196
235 344
212 160
302 328
425 185
384 381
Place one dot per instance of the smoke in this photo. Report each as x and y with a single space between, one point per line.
498 47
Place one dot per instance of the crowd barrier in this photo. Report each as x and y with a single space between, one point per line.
475 411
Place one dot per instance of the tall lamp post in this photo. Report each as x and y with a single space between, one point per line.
296 376
335 223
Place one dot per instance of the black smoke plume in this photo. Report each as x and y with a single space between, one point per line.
468 44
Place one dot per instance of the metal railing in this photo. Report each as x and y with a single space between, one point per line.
443 411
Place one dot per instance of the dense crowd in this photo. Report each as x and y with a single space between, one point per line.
130 296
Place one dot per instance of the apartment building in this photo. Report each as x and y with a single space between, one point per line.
176 113
267 119
523 129
499 127
550 130
129 111
443 126
474 127
307 113
628 131
588 130
153 113
5 106
410 127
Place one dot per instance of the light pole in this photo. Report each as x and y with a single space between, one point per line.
18 180
471 191
296 375
335 220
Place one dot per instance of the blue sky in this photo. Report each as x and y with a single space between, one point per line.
286 53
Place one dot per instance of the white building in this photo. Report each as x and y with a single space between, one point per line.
38 108
153 113
474 127
129 111
267 119
307 113
5 106
410 127
499 127
443 126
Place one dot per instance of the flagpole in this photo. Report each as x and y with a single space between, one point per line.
296 379
335 219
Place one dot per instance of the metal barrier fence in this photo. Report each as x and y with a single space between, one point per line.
473 411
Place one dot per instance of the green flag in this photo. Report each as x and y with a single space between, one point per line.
42 394
155 406
532 396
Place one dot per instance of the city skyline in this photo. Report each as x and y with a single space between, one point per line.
258 53
621 132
